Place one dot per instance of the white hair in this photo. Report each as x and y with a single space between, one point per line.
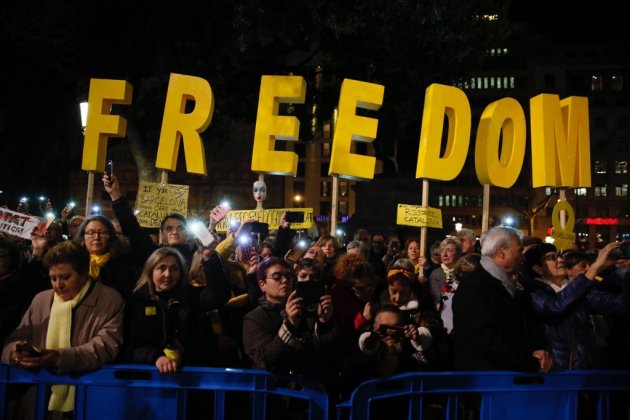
498 237
467 232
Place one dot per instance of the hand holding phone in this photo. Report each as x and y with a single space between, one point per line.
109 169
29 349
219 212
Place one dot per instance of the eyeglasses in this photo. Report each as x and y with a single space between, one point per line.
94 233
178 228
551 257
279 276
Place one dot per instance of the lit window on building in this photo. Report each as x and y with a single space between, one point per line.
325 188
600 190
596 82
479 84
505 82
616 82
447 203
485 83
460 200
600 166
548 191
580 192
441 200
505 51
621 190
621 167
325 149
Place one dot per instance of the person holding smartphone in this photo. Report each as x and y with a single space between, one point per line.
275 335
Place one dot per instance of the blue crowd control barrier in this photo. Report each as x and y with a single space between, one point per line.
141 392
492 396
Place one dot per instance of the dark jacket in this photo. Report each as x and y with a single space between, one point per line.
567 322
490 329
153 324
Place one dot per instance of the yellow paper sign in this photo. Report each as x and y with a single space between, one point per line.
269 216
156 200
412 215
564 238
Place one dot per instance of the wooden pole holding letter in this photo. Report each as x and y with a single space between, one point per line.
423 229
164 177
333 207
485 218
562 195
89 196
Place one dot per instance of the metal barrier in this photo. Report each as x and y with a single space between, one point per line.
492 395
141 392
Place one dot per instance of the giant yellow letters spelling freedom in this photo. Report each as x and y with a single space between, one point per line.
440 100
100 123
506 117
275 90
561 154
559 131
177 123
353 127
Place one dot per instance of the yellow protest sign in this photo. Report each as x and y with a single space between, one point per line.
561 152
500 146
564 238
156 200
101 124
269 216
179 123
443 100
412 215
352 127
270 126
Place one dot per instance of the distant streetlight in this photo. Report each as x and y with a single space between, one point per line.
508 221
297 199
83 107
458 226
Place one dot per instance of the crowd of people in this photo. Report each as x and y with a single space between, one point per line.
91 291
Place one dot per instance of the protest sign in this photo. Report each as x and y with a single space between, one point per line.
411 215
156 200
18 224
269 216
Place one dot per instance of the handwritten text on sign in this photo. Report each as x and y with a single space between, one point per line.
157 200
17 224
269 216
410 215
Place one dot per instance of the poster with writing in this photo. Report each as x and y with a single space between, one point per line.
156 200
18 224
419 216
269 216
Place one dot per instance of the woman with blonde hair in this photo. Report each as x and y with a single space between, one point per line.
159 320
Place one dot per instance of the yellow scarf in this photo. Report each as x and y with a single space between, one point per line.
96 262
58 337
450 272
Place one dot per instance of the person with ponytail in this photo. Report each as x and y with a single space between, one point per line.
76 326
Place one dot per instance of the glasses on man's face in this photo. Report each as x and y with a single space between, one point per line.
95 233
551 257
178 228
278 276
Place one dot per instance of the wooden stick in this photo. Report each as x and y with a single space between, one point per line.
423 229
562 194
485 218
333 207
164 177
89 195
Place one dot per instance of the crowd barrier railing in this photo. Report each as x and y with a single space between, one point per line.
141 392
587 394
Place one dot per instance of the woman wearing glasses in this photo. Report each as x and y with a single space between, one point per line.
564 307
274 336
108 262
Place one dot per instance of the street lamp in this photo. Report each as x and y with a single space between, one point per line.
297 199
83 108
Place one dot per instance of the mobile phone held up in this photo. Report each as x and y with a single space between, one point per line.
294 217
109 169
28 348
310 291
199 230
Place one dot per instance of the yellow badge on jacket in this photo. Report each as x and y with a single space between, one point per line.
150 310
